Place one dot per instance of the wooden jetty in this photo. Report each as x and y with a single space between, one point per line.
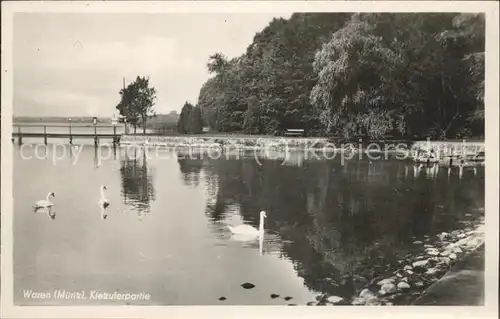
92 132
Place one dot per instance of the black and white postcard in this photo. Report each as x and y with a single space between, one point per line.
332 156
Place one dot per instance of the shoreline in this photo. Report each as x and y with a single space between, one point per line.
299 143
421 272
467 275
315 147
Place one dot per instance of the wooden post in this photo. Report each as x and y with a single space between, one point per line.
20 138
114 151
70 135
45 134
95 136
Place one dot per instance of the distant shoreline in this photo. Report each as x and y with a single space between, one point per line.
57 119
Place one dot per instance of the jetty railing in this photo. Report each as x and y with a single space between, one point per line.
70 131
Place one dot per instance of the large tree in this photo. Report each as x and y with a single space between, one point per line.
363 74
267 88
184 118
401 74
136 102
195 124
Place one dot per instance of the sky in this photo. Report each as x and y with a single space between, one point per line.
73 64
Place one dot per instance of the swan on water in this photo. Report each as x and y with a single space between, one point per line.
103 202
44 203
249 230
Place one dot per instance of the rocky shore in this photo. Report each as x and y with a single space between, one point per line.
463 285
419 271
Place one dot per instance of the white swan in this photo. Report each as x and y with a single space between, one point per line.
249 230
103 202
44 203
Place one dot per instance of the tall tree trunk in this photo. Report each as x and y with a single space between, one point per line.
135 128
143 125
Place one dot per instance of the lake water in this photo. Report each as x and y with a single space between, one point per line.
166 232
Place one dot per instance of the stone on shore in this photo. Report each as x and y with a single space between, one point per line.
334 299
403 285
366 293
387 289
432 252
366 297
358 301
419 284
445 253
372 301
420 263
386 281
420 266
431 271
443 235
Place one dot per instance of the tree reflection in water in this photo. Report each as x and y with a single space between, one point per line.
137 183
190 169
336 223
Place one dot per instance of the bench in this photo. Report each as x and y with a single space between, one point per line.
294 132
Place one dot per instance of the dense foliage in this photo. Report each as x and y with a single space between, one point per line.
136 102
368 74
190 121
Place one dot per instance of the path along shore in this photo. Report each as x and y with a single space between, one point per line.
446 271
463 285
